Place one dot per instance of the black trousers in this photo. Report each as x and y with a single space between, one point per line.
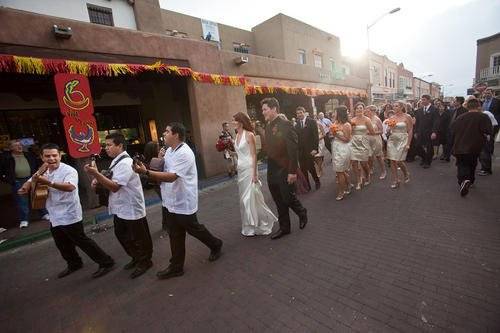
284 197
68 237
426 150
449 145
306 162
466 167
135 238
485 156
177 226
328 143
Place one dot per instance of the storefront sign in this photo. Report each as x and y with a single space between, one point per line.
75 103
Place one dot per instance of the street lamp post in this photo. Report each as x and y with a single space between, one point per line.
397 9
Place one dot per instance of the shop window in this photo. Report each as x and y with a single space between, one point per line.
302 57
241 47
100 15
332 65
496 60
318 61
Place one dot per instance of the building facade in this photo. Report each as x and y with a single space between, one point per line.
488 63
421 87
405 83
383 78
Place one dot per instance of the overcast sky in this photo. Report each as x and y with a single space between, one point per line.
427 36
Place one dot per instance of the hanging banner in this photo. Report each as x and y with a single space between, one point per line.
75 104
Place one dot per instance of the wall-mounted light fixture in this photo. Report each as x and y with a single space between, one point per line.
62 32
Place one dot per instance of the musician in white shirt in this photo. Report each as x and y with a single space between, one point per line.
126 203
179 191
65 210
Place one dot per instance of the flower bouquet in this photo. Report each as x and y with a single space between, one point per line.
334 128
224 143
391 123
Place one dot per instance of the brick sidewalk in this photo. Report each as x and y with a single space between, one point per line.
419 258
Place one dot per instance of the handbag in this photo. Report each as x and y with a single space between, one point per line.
101 191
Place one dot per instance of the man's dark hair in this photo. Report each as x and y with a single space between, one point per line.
271 102
460 99
473 104
178 128
118 139
224 123
49 146
300 108
427 97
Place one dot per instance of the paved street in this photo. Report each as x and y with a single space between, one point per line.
419 258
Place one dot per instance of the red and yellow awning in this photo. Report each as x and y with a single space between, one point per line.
253 90
31 65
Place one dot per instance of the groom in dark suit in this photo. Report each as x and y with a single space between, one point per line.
282 151
307 131
426 129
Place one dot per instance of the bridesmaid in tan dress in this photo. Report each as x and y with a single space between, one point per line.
341 150
398 143
376 145
360 146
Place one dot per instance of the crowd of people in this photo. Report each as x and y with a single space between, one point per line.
357 141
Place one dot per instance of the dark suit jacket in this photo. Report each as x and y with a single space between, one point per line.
495 108
426 124
281 148
457 113
308 137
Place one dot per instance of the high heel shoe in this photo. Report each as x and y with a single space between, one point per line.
359 186
407 178
383 175
349 189
367 181
395 185
339 197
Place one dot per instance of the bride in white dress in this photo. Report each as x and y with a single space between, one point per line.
256 217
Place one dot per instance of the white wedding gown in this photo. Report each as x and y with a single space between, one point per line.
256 217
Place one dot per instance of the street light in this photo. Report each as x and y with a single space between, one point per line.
376 21
397 9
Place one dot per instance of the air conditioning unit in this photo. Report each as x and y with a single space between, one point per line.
241 60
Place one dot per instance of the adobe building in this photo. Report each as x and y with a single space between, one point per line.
204 72
405 83
488 64
383 78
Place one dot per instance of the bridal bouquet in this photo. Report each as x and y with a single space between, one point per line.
391 123
334 128
224 143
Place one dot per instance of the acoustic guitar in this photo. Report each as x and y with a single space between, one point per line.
39 192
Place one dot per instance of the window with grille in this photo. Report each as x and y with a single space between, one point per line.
241 47
318 61
496 61
100 15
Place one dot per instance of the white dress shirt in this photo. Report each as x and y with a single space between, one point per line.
128 202
180 196
494 122
64 207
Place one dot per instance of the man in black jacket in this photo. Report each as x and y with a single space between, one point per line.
458 111
426 129
307 131
281 148
16 167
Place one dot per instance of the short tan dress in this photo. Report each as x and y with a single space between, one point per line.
375 143
397 142
341 154
360 145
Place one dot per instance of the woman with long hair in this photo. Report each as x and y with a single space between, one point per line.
401 132
360 146
376 144
256 217
341 151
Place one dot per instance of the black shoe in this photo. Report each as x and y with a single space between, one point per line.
422 163
130 265
168 273
68 271
103 271
303 219
426 166
318 185
464 187
141 269
280 233
215 254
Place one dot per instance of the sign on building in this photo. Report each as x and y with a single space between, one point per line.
210 30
